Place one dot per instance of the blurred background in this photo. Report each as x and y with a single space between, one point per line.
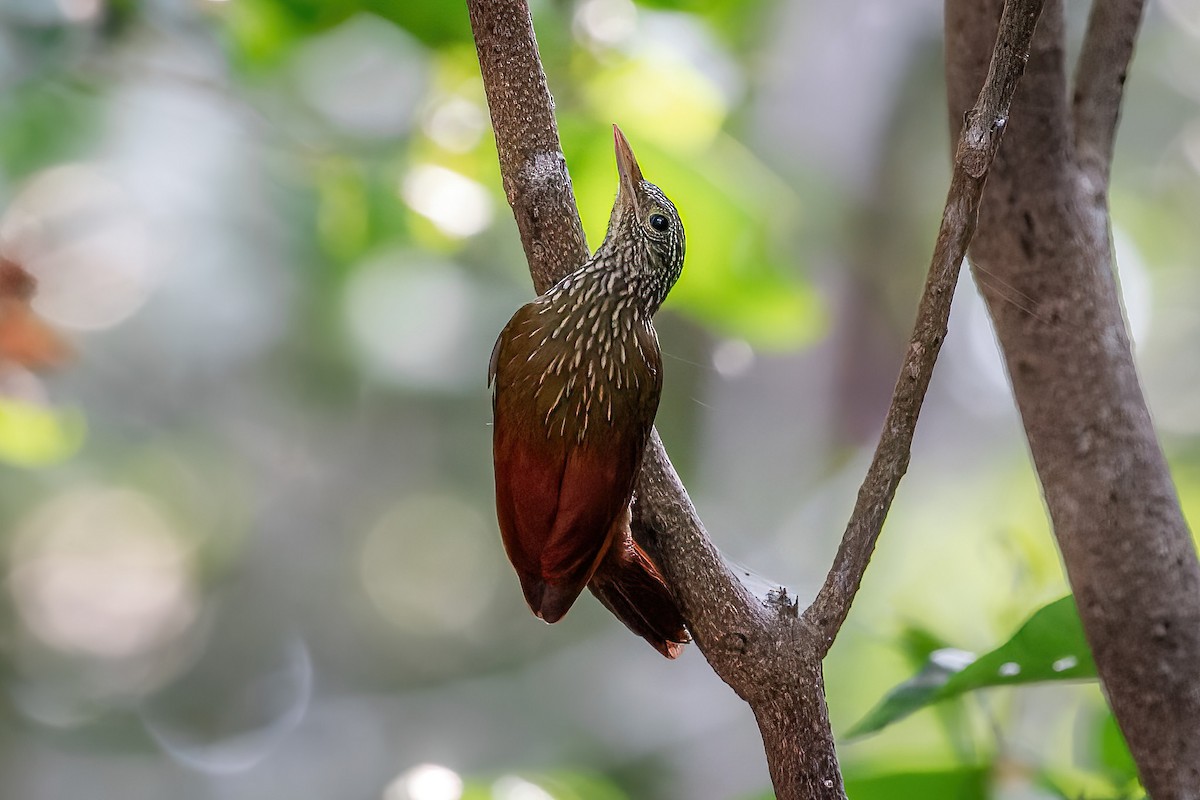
247 546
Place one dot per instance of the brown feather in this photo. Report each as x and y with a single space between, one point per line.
576 376
558 492
630 586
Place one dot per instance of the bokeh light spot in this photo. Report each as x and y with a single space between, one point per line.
79 10
265 701
732 358
102 573
411 318
605 22
456 124
457 205
365 76
80 234
426 782
513 787
426 565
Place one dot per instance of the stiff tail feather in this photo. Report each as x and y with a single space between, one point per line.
630 586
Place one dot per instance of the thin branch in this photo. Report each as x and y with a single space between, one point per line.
768 658
977 145
722 613
532 165
1100 81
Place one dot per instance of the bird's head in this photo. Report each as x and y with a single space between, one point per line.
644 227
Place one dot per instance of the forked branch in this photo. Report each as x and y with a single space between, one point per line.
771 658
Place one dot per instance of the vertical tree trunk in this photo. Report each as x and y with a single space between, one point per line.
1043 259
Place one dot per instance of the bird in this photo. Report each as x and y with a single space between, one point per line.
576 377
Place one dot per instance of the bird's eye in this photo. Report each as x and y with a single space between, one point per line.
659 222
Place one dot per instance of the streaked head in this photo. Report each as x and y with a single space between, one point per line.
645 220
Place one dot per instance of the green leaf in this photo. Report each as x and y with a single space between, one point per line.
968 783
1049 647
1114 753
262 33
917 692
962 783
1073 784
918 644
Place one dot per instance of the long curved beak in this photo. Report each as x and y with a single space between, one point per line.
627 168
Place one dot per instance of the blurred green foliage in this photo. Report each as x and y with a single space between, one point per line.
246 536
33 436
956 784
966 783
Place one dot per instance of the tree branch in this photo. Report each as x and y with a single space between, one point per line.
1100 81
1044 238
769 656
978 142
720 611
769 659
532 165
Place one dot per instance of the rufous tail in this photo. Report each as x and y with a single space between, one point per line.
630 586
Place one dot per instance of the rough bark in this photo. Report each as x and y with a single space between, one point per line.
1043 260
767 653
532 166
